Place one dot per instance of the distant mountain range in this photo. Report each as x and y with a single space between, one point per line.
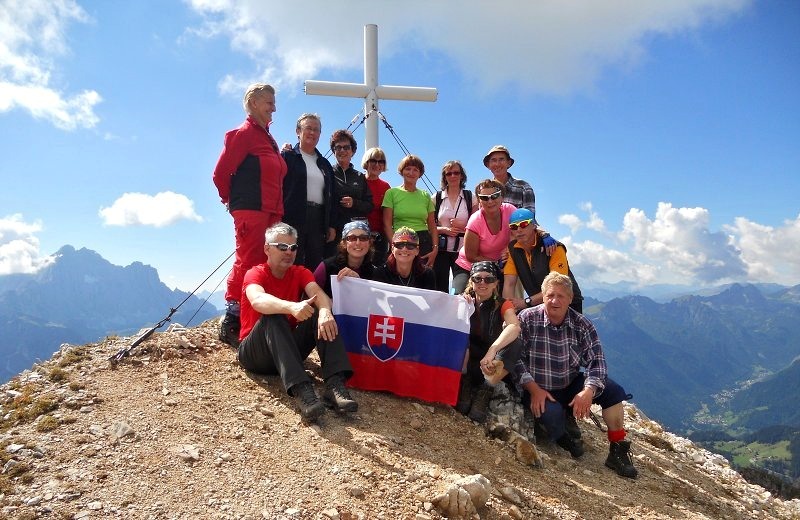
683 360
81 298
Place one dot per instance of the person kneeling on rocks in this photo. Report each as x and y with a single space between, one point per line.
494 343
279 330
557 343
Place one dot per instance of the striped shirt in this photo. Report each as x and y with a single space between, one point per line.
552 355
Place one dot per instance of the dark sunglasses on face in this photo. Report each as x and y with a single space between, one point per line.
342 148
484 279
452 174
356 238
283 246
377 161
405 245
522 224
493 196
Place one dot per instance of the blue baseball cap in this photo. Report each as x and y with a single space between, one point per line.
522 214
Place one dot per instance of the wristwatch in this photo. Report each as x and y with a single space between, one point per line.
528 302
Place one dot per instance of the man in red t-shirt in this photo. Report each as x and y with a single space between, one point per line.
284 315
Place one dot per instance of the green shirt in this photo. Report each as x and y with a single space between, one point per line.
410 208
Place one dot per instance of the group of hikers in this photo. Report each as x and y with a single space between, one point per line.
299 220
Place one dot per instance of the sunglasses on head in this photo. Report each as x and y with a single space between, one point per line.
405 245
483 279
283 246
522 224
356 238
493 196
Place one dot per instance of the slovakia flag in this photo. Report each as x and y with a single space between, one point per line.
407 341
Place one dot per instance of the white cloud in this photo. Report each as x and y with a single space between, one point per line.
678 247
771 254
574 222
19 246
545 46
31 38
159 210
679 240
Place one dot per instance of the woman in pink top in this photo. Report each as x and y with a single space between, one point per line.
487 233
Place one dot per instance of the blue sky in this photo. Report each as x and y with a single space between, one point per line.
661 137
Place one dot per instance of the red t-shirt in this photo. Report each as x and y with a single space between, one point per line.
378 187
289 288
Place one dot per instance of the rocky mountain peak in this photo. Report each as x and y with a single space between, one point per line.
179 430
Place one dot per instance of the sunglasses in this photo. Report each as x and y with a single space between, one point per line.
342 148
483 279
284 246
522 224
377 161
406 245
493 196
357 238
452 174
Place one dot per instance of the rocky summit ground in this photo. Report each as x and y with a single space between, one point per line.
179 430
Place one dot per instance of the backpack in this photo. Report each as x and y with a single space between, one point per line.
467 196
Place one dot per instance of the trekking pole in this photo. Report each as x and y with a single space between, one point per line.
125 351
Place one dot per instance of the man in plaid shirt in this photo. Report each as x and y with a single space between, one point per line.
517 192
557 343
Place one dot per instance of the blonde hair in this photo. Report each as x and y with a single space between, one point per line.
255 90
373 153
556 278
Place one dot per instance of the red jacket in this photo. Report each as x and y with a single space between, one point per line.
250 170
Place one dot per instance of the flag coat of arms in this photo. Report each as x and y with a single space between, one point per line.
404 340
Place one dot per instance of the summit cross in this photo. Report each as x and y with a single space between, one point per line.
370 90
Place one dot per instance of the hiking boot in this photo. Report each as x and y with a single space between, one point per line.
619 459
571 425
574 447
337 396
229 330
480 404
307 401
464 395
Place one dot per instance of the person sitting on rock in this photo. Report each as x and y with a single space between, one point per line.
557 343
494 343
279 330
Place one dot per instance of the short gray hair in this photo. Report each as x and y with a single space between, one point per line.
556 278
305 116
255 90
281 228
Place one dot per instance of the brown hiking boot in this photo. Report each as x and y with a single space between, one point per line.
337 396
574 447
480 404
619 459
308 402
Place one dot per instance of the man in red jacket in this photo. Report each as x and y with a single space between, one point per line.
249 177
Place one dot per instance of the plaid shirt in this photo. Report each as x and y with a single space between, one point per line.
520 194
553 355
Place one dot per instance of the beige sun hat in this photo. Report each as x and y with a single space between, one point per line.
498 148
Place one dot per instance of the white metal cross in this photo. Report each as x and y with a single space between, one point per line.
370 90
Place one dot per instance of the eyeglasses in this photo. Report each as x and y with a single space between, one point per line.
377 161
357 238
452 174
342 148
405 245
522 224
483 279
314 129
283 246
493 196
